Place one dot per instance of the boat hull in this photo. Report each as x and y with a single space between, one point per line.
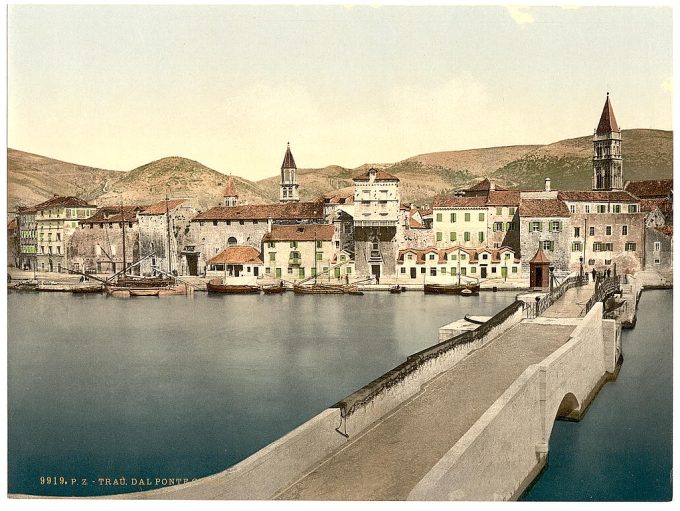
452 289
217 288
325 289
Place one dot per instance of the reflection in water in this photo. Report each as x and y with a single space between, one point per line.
184 387
622 448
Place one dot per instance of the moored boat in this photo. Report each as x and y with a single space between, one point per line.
451 289
87 289
397 289
144 292
274 290
216 286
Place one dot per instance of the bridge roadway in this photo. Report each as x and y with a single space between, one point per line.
386 461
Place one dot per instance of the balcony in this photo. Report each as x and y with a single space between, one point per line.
294 261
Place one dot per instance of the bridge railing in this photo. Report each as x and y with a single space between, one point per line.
534 310
604 288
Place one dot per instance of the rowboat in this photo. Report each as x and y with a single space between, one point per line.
87 289
216 286
397 289
273 290
144 292
451 289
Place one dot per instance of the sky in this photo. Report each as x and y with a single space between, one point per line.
116 87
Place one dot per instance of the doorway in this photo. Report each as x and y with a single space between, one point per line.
375 271
483 272
192 264
413 273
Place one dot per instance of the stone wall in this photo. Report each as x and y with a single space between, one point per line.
99 248
153 238
363 239
660 260
529 242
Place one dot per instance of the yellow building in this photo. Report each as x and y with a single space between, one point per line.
459 221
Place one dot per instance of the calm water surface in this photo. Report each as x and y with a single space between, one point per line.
622 449
101 387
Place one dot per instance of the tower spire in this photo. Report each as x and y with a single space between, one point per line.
607 160
289 187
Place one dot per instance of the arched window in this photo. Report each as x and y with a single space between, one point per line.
231 241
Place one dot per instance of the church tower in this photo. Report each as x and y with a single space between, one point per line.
230 195
289 186
607 161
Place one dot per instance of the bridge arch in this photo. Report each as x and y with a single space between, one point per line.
569 408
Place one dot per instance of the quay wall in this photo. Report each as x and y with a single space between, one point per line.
507 447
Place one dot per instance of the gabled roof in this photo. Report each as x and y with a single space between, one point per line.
288 160
540 256
503 198
484 186
338 197
536 208
303 232
664 205
230 190
666 229
380 175
112 214
459 202
237 255
284 211
607 122
442 254
161 207
597 196
650 189
66 202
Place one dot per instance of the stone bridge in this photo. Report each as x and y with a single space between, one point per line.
467 419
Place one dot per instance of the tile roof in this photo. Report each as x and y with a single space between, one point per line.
533 208
302 232
230 190
27 211
380 175
484 186
237 255
338 197
285 211
666 229
597 196
664 205
540 256
650 189
442 254
503 198
412 222
62 201
161 207
459 202
288 160
607 122
112 214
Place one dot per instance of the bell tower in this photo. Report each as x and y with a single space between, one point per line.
607 161
289 187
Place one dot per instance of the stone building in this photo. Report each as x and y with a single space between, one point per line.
338 209
97 245
659 249
376 219
607 160
656 200
297 252
503 219
13 243
163 237
606 228
236 265
28 239
412 231
544 223
230 193
289 187
214 230
56 219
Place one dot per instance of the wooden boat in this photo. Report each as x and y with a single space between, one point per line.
87 289
216 286
326 289
477 320
451 289
397 289
55 288
273 290
144 292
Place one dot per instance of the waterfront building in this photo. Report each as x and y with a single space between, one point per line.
659 249
338 209
460 220
230 194
288 190
56 220
163 236
97 245
544 222
376 219
503 219
413 232
446 265
28 239
297 252
656 200
220 227
236 265
13 243
607 160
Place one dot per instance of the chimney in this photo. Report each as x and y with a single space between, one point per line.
492 185
547 184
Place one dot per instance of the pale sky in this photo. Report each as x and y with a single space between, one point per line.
119 86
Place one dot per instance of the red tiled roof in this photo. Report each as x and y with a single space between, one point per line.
664 205
425 212
412 222
338 198
533 208
473 253
666 229
539 257
380 175
503 198
303 232
483 186
286 211
230 191
650 189
66 202
288 160
12 225
112 214
161 207
597 196
27 211
607 122
237 255
459 202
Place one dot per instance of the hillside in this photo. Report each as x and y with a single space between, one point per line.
33 179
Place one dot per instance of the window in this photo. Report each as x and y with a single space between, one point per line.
481 237
232 242
422 270
453 257
278 273
497 226
433 271
403 270
576 246
343 258
319 244
302 272
290 270
271 244
349 270
601 208
463 271
535 227
467 217
548 245
624 230
214 222
452 236
616 208
485 256
657 246
442 270
319 256
514 269
493 269
572 208
632 208
507 256
499 211
591 262
453 217
463 256
453 272
630 247
587 208
431 257
657 261
591 231
473 269
439 217
410 257
608 230
577 232
555 226
481 217
439 236
293 244
241 222
510 226
466 236
272 256
511 211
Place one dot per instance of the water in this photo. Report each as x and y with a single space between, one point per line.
179 387
622 448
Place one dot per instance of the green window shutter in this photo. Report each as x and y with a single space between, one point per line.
481 236
272 256
499 211
319 256
278 273
559 226
439 236
453 217
439 217
467 217
540 226
481 217
453 272
349 269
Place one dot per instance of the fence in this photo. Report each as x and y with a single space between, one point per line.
604 288
532 310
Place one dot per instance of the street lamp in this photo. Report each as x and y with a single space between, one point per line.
580 273
551 269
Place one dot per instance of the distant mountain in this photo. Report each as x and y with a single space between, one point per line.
647 154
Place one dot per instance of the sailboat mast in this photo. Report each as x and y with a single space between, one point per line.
459 266
315 271
167 219
122 219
